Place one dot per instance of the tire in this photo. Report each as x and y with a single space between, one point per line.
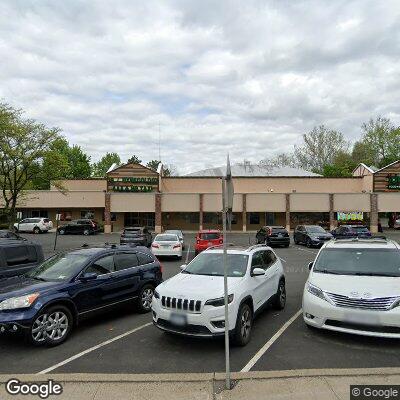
86 232
61 232
308 243
244 323
36 230
145 298
296 241
280 296
16 229
41 335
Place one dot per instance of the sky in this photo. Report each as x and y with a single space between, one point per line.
207 77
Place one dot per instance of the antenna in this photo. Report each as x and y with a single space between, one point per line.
159 142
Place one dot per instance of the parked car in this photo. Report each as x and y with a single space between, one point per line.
6 234
354 287
192 302
206 239
138 235
79 227
179 234
47 302
273 236
33 225
397 223
18 256
351 231
311 235
166 244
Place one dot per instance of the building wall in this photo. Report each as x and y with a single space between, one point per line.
132 202
381 178
82 184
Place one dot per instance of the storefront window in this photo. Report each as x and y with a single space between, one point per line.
87 214
254 218
65 215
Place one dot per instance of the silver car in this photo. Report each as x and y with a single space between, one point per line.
179 234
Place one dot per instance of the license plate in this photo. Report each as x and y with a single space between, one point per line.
209 243
279 234
362 319
178 319
166 246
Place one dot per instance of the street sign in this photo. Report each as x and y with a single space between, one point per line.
19 215
58 217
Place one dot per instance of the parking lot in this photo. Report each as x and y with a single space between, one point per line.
126 342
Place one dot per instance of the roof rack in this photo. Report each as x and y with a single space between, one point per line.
366 239
218 246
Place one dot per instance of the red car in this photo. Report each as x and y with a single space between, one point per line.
206 239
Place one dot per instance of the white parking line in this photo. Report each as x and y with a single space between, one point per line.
98 346
307 250
282 259
187 255
270 342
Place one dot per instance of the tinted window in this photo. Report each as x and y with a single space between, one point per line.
17 255
125 260
257 260
34 220
315 229
209 236
360 228
269 258
166 238
102 266
144 258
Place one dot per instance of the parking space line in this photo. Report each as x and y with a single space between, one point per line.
87 351
270 342
307 250
282 259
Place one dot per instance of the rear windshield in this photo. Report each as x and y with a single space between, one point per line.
360 228
133 231
46 220
278 230
166 238
209 236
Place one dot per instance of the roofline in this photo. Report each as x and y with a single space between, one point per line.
124 165
394 162
365 166
260 177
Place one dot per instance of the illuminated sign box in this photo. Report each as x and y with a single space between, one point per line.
394 182
350 216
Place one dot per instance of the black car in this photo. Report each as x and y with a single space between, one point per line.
7 234
79 227
311 235
273 235
47 302
139 235
18 256
351 231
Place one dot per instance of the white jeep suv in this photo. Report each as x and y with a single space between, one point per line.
354 287
192 303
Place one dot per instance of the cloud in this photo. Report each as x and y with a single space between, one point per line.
215 76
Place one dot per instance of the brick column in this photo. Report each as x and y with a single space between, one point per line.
332 222
287 212
201 211
158 219
244 213
373 215
107 213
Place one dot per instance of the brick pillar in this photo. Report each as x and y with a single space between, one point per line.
373 215
332 222
287 212
158 227
107 213
201 211
244 212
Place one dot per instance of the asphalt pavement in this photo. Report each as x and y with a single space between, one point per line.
125 342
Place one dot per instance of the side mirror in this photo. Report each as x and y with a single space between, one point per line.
257 272
183 267
310 265
88 276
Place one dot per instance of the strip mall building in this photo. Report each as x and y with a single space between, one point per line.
135 195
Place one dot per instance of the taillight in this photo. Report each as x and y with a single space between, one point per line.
155 245
177 246
93 224
221 241
198 241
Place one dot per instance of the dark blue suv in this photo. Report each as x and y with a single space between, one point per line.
48 301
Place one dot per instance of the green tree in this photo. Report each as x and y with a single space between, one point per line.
153 164
101 167
362 153
342 166
134 160
79 163
23 146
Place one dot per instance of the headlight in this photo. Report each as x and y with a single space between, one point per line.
219 302
18 302
316 291
156 294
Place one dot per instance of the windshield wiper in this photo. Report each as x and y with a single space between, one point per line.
372 274
326 271
37 278
185 272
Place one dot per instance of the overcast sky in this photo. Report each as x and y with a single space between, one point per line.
248 77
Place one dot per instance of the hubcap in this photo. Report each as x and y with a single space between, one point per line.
147 297
53 326
245 323
282 295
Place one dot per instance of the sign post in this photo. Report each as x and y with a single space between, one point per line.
58 217
227 204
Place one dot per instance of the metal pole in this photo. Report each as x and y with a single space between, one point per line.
55 239
227 366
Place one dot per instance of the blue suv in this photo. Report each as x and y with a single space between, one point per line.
48 301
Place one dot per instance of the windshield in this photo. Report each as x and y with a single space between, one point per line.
134 231
212 264
360 228
209 236
315 229
61 267
178 233
379 262
166 238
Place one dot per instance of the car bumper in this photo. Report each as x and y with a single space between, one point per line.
198 324
16 321
167 252
324 315
279 241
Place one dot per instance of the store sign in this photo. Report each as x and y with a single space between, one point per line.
350 216
394 182
145 180
141 188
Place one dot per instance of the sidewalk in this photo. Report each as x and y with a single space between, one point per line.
299 385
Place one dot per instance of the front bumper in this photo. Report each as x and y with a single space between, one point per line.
324 315
282 241
15 321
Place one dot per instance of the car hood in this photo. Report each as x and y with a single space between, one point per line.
20 285
322 234
197 287
350 285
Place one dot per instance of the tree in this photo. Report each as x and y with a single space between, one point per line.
280 160
319 148
153 164
383 140
23 145
170 170
101 167
79 163
362 153
343 166
134 160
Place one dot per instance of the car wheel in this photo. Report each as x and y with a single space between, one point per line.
145 298
308 243
61 232
280 296
86 232
296 241
244 323
15 229
36 230
51 327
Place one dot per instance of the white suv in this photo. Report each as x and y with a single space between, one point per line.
34 225
354 287
192 303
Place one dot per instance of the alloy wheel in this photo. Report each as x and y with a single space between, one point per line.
54 326
245 324
147 296
282 294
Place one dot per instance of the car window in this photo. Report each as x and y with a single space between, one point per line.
257 260
144 258
166 238
24 221
18 255
125 261
269 258
102 266
209 236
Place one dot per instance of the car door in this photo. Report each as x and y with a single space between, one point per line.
259 283
272 273
23 225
